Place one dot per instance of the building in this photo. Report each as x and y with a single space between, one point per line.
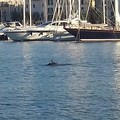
42 10
109 10
9 6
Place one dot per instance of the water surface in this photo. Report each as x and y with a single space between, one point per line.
87 88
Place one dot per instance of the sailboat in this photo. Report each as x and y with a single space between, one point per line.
26 33
32 33
53 31
97 32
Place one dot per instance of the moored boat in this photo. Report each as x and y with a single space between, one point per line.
107 34
97 32
8 26
2 35
47 31
27 34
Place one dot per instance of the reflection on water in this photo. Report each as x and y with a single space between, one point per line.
86 89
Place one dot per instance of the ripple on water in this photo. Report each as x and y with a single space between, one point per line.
85 86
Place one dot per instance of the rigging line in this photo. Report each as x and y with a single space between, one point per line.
88 9
66 7
113 8
62 9
73 7
77 38
96 10
99 14
58 11
57 3
113 11
111 20
114 34
70 9
53 18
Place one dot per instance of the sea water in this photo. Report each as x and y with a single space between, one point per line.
85 87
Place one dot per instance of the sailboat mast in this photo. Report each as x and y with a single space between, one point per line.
117 14
45 18
66 9
24 13
70 9
30 12
79 8
104 11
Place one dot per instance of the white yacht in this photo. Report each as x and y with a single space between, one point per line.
2 35
60 34
29 33
7 26
46 31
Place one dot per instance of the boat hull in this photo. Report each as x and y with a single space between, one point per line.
23 35
3 37
94 35
62 36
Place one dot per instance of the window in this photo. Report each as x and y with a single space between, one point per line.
82 2
50 10
33 5
50 2
50 17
